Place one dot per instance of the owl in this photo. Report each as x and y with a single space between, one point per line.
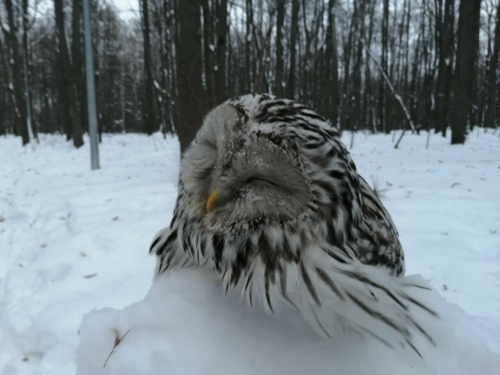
270 199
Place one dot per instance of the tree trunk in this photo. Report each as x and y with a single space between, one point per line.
382 104
67 75
149 97
445 68
331 68
170 71
306 69
344 119
358 63
490 120
278 84
16 64
467 46
4 84
208 45
160 15
78 58
293 49
189 69
27 96
248 46
368 108
222 31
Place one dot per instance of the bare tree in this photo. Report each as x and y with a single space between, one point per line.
467 45
383 61
490 120
16 63
209 50
189 67
149 102
68 76
331 94
221 32
293 48
445 68
278 83
77 60
27 97
248 45
4 89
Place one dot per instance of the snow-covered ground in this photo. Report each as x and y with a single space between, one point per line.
72 240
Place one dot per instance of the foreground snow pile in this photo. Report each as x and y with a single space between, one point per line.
72 240
185 326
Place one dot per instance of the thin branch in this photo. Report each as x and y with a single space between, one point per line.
33 44
391 87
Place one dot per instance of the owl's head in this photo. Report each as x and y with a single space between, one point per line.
238 173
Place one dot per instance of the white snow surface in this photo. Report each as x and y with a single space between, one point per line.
76 277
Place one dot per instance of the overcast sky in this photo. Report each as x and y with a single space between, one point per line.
127 7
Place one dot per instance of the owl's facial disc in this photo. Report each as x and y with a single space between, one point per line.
236 175
262 181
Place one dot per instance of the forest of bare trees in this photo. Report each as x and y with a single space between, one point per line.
370 65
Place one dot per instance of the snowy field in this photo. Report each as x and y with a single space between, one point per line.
72 241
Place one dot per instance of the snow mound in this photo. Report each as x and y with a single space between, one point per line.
185 325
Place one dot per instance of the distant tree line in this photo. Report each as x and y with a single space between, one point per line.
372 65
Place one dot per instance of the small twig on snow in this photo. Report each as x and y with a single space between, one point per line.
117 342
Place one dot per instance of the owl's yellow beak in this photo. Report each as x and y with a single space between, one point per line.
211 200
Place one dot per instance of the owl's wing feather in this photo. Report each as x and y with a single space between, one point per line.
333 296
368 298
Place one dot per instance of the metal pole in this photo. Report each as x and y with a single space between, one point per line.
91 101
